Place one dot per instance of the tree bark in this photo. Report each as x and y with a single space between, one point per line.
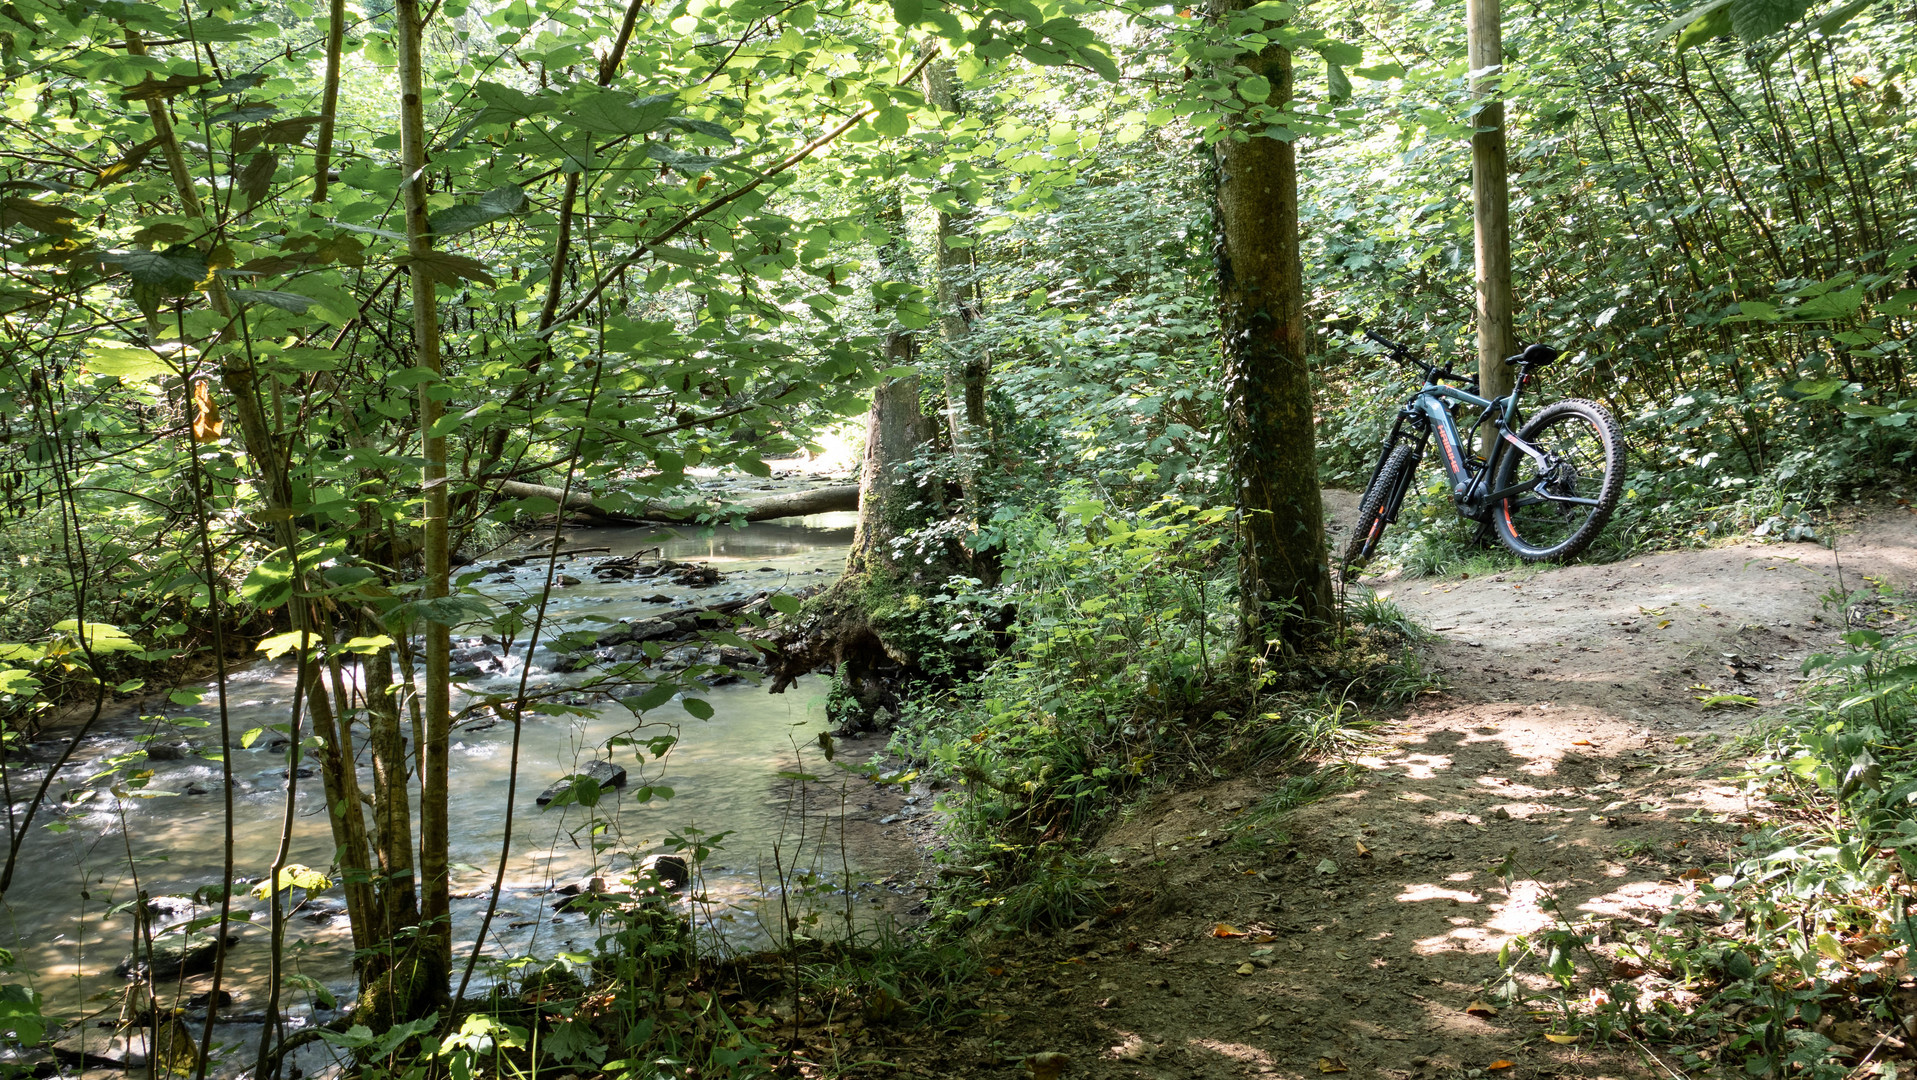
894 431
1491 209
1284 572
435 880
824 500
965 368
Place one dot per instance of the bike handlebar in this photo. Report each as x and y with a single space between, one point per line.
1537 354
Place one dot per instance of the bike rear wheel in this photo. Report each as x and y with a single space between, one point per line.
1584 460
1379 504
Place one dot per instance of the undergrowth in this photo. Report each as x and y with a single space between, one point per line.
1792 959
1123 676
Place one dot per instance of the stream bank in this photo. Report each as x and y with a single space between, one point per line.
70 917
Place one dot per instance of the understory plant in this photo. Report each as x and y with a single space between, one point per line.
1124 674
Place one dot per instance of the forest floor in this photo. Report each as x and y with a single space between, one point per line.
1570 758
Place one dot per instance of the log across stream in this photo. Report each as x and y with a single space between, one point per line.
724 774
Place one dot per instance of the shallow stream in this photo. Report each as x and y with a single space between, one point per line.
65 916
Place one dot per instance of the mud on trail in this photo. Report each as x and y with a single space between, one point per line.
1572 743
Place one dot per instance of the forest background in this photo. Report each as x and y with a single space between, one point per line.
699 235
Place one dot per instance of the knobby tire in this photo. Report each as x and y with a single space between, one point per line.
1587 451
1378 504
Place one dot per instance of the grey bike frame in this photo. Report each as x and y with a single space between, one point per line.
1428 402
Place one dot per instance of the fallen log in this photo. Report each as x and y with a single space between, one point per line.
790 504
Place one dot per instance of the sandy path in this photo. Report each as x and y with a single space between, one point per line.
1572 748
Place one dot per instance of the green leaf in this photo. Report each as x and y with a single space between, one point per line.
446 267
256 179
295 876
18 681
1700 24
128 364
177 269
702 127
38 216
1255 89
612 113
269 584
1338 86
1342 53
100 637
279 645
651 699
908 12
1753 19
671 157
1380 72
892 122
495 204
786 605
285 301
697 708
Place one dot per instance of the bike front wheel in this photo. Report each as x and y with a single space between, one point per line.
1379 503
1571 492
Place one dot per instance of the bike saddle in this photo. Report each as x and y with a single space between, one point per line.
1535 355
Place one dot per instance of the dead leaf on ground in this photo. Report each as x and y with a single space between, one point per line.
1562 1040
1047 1066
1363 851
1479 1008
1499 1064
1226 930
1332 1065
1582 742
1247 968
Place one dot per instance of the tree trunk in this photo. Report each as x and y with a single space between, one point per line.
824 500
435 882
965 367
1491 209
1284 573
888 493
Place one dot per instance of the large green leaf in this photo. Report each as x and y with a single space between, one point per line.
128 364
612 113
1753 19
495 204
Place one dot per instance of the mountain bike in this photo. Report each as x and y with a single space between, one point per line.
1547 487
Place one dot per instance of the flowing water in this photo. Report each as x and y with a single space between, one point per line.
67 914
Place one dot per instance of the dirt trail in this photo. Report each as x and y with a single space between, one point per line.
1572 742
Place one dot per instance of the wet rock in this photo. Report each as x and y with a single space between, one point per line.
473 654
304 772
697 577
197 789
171 907
177 959
671 870
567 581
199 1001
605 773
657 598
566 665
466 670
737 657
168 751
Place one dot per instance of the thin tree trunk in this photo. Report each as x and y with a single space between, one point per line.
240 380
965 368
329 97
436 905
1284 573
1491 209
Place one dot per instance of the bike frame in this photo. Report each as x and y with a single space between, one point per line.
1469 476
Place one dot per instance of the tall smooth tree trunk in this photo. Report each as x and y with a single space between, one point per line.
1284 570
965 368
436 698
1491 206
